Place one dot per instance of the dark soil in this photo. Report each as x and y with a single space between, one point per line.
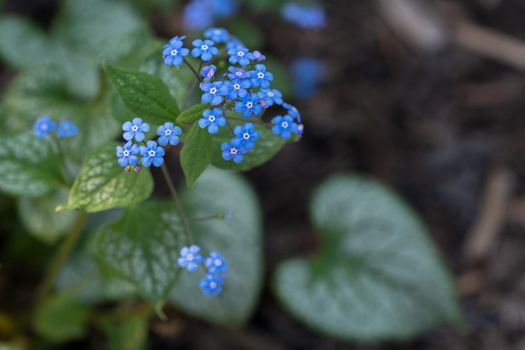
433 126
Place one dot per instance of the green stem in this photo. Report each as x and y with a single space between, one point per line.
208 217
62 255
62 159
178 203
193 70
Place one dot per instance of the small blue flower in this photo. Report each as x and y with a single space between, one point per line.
259 57
246 135
67 129
197 15
305 16
240 55
190 258
174 53
216 264
213 92
212 119
270 97
212 285
237 73
43 126
169 133
233 151
292 112
237 88
284 126
223 8
260 77
208 72
218 35
307 72
234 43
152 154
204 49
135 129
128 154
249 106
300 129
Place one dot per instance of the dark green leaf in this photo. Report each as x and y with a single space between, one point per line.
196 153
265 149
377 276
238 240
142 248
61 318
28 166
192 114
144 94
247 32
282 80
102 184
129 332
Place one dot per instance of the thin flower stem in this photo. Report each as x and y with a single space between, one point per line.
193 70
178 203
62 159
209 217
67 246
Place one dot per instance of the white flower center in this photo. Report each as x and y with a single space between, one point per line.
260 75
44 127
233 151
213 91
270 93
239 74
213 285
236 86
204 47
189 257
246 136
218 262
134 128
167 132
284 125
174 52
126 153
249 104
152 153
240 54
211 118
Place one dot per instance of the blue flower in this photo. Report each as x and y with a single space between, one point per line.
259 57
246 135
234 43
67 129
284 126
270 97
307 73
152 154
169 133
135 129
197 15
190 258
292 112
260 77
236 73
300 129
233 151
128 154
204 49
223 8
216 264
212 285
305 16
174 53
43 126
237 88
249 106
212 119
218 35
213 92
240 55
208 72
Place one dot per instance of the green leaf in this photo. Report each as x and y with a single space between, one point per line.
102 184
28 166
144 94
282 80
192 114
142 248
265 149
247 32
196 153
61 318
39 217
377 276
130 332
239 241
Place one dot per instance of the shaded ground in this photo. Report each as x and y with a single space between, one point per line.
435 126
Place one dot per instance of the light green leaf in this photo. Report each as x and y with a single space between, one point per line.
192 114
39 217
61 318
265 149
377 275
142 248
144 94
196 153
28 166
239 241
102 184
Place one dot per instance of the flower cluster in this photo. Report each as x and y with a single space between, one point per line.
239 94
214 265
45 126
305 16
151 152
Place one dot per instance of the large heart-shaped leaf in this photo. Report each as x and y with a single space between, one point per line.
238 240
266 147
142 248
377 275
28 166
102 184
